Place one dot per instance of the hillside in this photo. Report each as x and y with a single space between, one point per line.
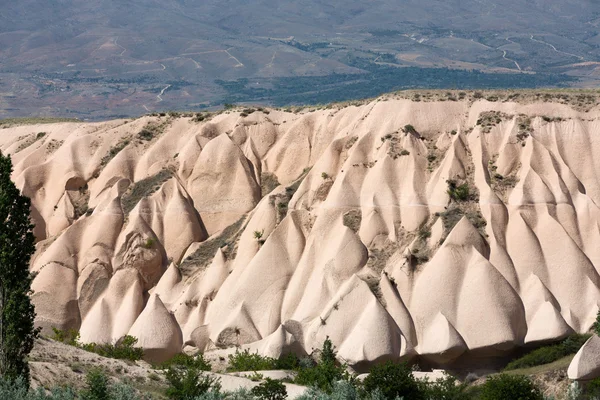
452 227
104 59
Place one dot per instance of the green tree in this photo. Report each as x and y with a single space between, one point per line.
393 380
325 373
186 384
270 389
17 332
516 387
596 325
97 386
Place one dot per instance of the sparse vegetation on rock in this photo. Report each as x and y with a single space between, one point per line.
550 353
123 349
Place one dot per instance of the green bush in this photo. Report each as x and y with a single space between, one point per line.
596 326
188 383
246 361
289 361
270 390
548 354
120 391
446 389
97 386
341 390
183 360
394 380
410 129
592 389
240 394
17 389
123 350
70 337
502 387
458 192
323 374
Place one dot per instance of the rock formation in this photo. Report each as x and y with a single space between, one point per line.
396 228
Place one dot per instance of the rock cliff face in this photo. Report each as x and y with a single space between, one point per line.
396 228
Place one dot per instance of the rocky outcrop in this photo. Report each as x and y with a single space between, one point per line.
396 228
586 364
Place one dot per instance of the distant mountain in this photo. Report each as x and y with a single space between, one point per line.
107 58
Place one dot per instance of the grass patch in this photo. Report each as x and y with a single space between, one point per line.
116 149
143 188
152 130
9 122
282 200
203 256
268 183
454 213
30 140
489 119
548 354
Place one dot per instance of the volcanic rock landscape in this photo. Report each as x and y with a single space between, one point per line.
445 226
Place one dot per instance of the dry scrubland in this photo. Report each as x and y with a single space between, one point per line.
448 227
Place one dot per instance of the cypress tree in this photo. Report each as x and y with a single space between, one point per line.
17 244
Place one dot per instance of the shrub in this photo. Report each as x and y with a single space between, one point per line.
341 390
183 360
123 350
189 383
548 354
246 361
596 326
458 192
10 389
270 390
393 380
96 386
410 129
116 149
120 391
592 389
446 389
502 387
70 337
255 377
289 361
239 394
258 234
150 131
325 372
324 175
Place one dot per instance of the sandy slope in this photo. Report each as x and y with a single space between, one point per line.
366 247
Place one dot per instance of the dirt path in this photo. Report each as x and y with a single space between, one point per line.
555 49
159 96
